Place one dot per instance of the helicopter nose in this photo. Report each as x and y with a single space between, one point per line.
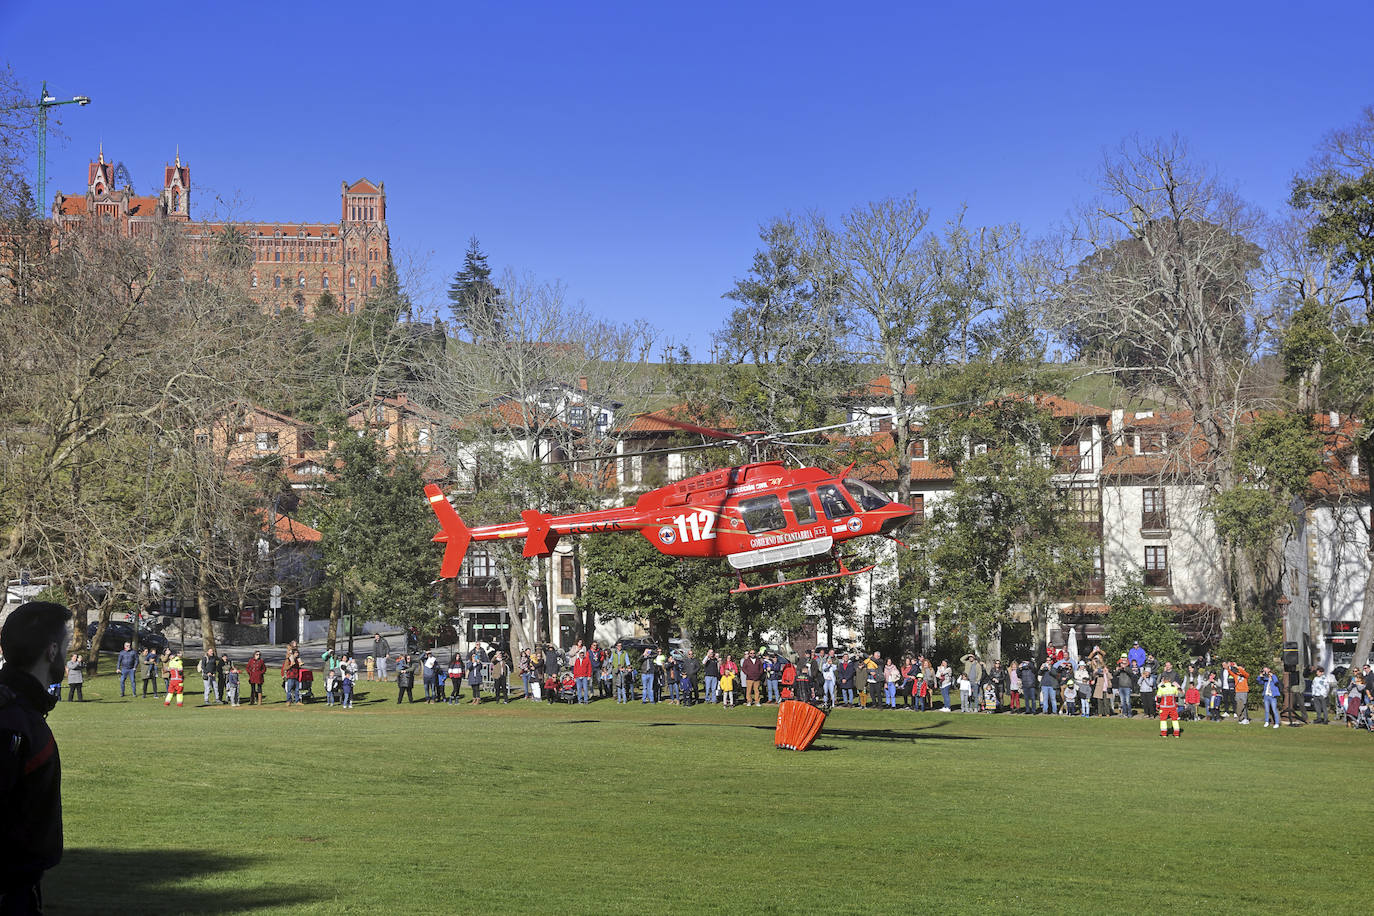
898 516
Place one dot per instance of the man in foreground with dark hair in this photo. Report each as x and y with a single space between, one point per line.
34 639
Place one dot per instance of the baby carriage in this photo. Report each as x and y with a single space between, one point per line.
560 690
1358 713
307 684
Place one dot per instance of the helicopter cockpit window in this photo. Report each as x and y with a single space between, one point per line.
801 506
833 501
865 494
762 513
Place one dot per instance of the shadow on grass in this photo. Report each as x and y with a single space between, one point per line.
873 734
162 881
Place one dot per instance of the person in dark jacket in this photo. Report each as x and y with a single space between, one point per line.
33 639
127 666
690 669
1126 675
405 679
1028 685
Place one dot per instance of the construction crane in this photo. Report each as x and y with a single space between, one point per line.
45 102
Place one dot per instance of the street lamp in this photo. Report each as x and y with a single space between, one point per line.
45 102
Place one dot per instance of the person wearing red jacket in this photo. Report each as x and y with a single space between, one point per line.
257 672
582 675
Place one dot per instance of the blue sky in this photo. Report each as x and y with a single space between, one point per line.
632 150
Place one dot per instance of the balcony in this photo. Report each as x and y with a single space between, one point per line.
1073 464
1156 578
1154 521
1093 588
479 593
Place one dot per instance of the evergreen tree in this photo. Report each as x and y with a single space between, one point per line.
474 300
376 530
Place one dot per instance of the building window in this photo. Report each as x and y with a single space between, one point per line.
276 255
267 442
577 416
372 282
255 281
1085 506
352 280
324 280
300 280
422 438
1153 516
918 450
1157 567
567 580
301 256
202 440
276 281
1149 443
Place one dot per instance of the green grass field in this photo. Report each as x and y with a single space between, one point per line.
613 809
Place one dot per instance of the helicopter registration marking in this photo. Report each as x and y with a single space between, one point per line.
692 526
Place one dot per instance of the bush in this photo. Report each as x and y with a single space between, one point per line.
1251 645
1134 615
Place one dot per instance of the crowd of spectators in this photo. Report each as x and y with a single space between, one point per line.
1059 684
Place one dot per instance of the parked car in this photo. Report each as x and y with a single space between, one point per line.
118 632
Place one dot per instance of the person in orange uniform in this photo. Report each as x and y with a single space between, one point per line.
174 681
1242 678
1166 698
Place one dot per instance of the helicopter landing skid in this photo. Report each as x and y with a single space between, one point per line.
840 573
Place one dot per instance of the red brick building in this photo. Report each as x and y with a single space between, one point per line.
294 263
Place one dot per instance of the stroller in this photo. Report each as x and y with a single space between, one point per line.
307 683
1358 713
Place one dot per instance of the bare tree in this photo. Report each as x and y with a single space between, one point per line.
1160 281
530 389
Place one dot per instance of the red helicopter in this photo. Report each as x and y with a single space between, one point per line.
760 517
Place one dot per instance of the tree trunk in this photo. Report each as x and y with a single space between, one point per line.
1366 638
207 626
1247 587
102 620
331 638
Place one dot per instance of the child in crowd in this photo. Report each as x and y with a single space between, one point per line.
1213 700
1191 697
989 697
965 694
455 677
231 684
371 668
727 686
922 692
331 683
346 685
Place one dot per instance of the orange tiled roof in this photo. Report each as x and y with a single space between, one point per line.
363 186
1063 407
880 387
290 531
72 206
1334 481
143 206
657 421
